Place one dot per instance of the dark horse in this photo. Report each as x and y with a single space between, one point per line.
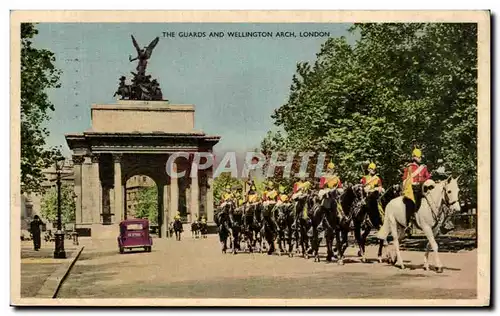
195 229
178 229
323 205
371 216
283 213
236 221
249 225
257 225
268 228
222 221
302 224
338 218
332 218
203 229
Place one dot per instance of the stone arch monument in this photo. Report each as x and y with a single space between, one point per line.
136 137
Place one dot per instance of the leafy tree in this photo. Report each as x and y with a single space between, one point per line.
147 206
38 74
220 183
49 204
401 85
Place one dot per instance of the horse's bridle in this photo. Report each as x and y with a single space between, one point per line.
447 198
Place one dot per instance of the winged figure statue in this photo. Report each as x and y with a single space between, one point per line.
143 55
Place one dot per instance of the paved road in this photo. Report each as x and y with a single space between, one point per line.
197 269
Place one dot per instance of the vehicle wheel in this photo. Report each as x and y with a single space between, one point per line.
122 250
148 249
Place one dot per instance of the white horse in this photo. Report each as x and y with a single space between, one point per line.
430 218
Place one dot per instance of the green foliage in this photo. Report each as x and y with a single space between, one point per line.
38 74
49 204
220 183
400 85
147 206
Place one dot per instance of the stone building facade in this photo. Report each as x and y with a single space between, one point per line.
133 138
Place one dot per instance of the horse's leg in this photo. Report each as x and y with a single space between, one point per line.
279 241
380 247
395 235
364 236
289 239
329 245
302 239
345 239
250 240
426 256
270 241
235 240
340 259
432 241
357 235
315 243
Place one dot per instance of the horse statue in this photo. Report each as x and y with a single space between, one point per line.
440 201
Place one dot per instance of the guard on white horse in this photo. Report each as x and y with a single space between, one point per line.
439 203
415 174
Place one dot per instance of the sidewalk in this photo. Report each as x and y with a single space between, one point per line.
37 266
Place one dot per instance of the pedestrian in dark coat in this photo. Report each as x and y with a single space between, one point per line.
36 232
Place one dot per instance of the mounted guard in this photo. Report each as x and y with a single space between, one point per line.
270 197
372 181
415 179
330 181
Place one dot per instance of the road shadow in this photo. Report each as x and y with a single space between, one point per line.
445 243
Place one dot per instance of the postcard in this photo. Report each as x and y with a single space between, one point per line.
250 158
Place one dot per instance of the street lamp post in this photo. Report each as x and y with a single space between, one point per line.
59 252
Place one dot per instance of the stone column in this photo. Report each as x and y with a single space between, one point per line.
118 187
112 203
166 210
190 215
87 190
195 196
125 202
210 196
174 194
96 191
77 171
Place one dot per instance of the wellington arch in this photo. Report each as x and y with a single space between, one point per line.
136 138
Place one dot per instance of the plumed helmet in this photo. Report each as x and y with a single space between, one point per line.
372 166
417 153
330 165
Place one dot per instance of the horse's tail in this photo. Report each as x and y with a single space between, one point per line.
384 230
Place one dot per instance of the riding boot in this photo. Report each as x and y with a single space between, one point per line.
410 212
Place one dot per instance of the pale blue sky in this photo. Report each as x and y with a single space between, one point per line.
235 83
